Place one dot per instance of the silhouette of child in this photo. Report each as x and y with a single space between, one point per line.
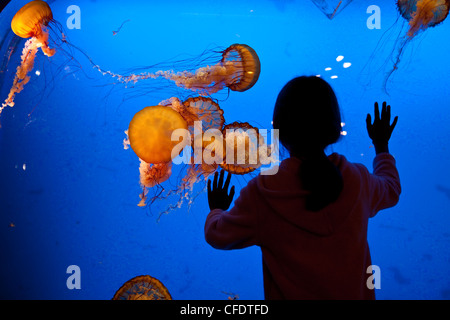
310 218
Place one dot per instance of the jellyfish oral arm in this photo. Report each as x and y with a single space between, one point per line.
28 55
42 39
22 78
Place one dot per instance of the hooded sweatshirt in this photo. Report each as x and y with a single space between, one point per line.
306 254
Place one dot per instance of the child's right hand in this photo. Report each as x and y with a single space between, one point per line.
381 129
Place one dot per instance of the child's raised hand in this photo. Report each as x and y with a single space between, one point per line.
381 129
218 197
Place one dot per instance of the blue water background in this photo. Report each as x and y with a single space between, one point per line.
69 191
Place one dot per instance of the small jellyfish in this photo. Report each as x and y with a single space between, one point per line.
151 175
142 288
244 149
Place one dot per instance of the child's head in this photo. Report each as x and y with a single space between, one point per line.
307 115
308 118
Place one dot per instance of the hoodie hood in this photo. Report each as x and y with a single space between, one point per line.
285 194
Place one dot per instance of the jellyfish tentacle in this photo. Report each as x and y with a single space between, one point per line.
150 133
42 38
244 149
152 174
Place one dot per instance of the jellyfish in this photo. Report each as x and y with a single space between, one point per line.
31 22
238 68
150 133
244 149
142 288
34 22
421 15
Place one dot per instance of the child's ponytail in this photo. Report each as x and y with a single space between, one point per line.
322 178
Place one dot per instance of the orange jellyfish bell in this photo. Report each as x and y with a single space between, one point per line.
247 66
31 21
28 20
142 288
238 68
150 133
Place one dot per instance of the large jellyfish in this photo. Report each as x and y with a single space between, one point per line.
421 15
237 68
29 22
142 288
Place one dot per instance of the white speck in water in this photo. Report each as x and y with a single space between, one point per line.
327 69
24 167
38 73
334 77
339 58
347 64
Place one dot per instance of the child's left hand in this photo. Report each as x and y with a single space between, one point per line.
218 197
